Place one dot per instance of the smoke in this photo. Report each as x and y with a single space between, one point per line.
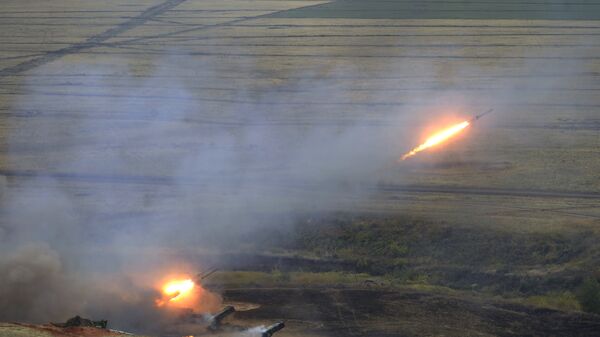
140 171
253 332
33 282
134 178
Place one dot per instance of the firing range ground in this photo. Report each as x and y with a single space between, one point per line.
532 168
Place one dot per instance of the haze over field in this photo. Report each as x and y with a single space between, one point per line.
143 140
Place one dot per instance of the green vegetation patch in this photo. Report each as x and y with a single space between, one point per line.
384 9
276 278
408 250
565 301
588 295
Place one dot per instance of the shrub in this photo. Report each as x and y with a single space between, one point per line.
589 295
556 300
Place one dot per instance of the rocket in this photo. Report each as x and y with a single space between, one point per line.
480 115
443 135
268 332
201 276
215 320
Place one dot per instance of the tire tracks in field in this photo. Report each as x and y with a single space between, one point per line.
93 41
243 101
504 192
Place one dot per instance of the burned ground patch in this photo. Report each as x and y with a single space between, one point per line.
407 313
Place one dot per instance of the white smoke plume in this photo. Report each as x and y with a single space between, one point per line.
133 176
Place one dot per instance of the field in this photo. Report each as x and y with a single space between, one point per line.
263 137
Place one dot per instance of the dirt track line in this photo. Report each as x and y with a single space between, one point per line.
189 30
127 116
97 178
142 46
92 41
165 180
232 23
511 210
348 45
346 56
415 57
490 191
79 85
282 103
337 77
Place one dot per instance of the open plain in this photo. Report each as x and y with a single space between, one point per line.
263 136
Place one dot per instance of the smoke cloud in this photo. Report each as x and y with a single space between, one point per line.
137 175
133 177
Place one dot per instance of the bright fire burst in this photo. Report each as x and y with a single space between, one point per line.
174 291
437 138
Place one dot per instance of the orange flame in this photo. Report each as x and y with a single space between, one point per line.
437 138
176 290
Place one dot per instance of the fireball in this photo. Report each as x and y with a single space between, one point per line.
176 290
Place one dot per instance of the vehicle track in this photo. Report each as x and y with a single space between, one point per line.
93 41
509 192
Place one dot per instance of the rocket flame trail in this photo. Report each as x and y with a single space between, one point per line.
437 138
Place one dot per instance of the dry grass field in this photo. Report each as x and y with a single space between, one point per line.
137 112
267 62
